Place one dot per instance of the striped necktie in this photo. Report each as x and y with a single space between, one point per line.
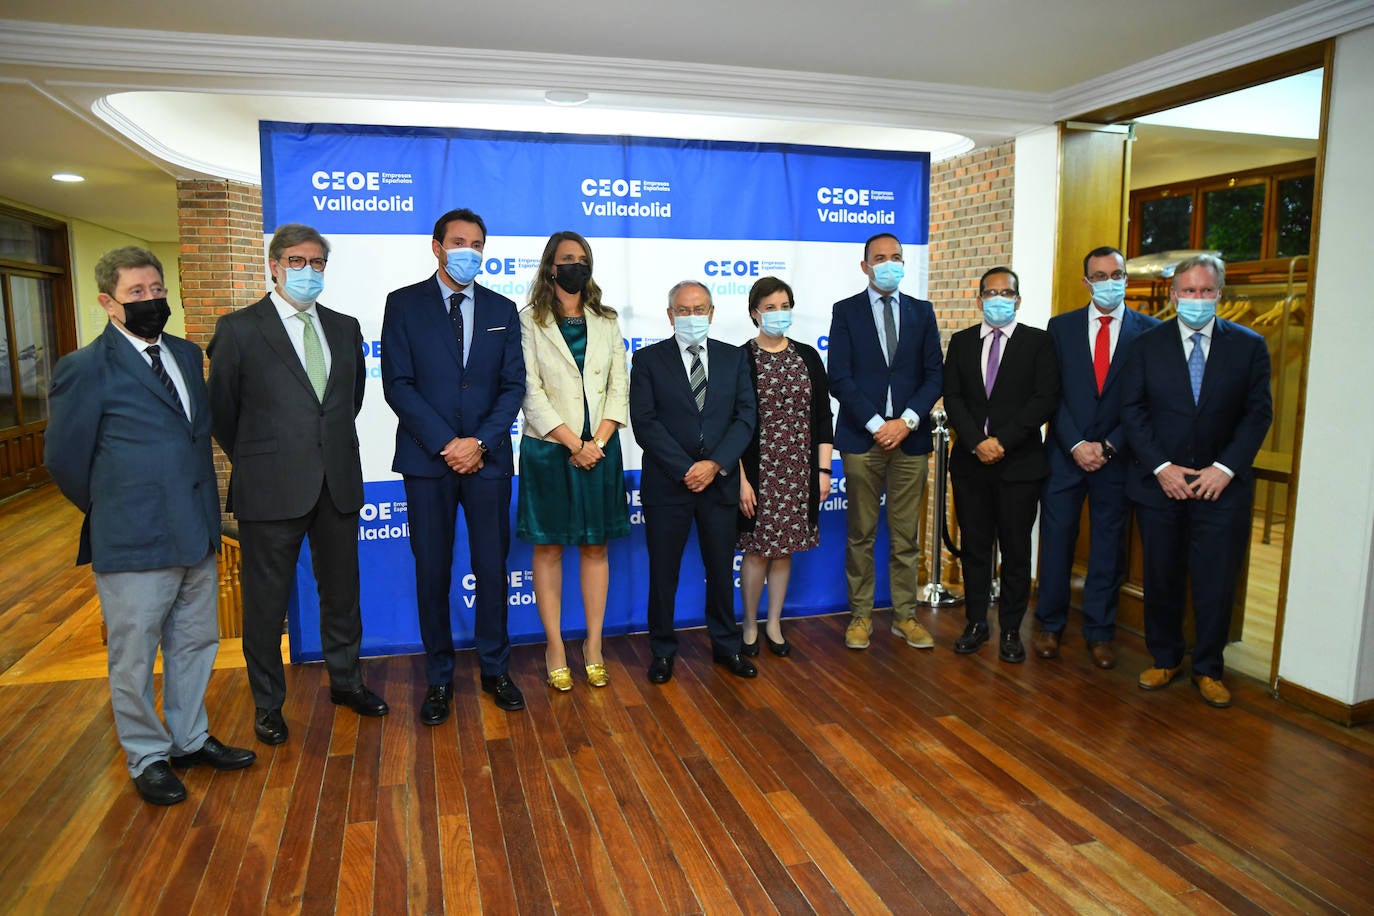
154 352
697 377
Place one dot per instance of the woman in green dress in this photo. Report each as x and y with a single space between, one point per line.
572 479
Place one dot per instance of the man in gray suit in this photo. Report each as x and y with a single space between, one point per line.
286 382
128 441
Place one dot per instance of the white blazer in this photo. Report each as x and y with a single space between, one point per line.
554 389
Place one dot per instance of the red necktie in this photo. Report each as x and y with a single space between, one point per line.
1102 352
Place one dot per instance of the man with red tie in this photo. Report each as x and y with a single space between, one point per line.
1088 458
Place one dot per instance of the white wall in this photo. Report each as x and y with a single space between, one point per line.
1035 209
1328 634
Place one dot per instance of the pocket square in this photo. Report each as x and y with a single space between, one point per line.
501 328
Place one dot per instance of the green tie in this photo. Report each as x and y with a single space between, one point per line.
314 356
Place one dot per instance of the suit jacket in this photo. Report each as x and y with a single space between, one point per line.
1227 425
284 441
435 396
1024 397
860 376
556 391
675 435
120 448
1083 414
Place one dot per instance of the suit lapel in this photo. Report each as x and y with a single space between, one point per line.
340 344
436 320
129 360
553 334
274 332
1216 356
1130 327
189 372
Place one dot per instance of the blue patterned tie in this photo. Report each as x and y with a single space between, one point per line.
1196 365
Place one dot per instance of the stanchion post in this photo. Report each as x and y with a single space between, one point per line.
934 593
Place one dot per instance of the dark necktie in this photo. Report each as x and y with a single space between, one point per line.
455 314
154 353
889 328
697 377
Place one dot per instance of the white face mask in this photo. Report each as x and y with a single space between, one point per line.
691 329
775 324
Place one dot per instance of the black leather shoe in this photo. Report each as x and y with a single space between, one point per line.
974 635
217 755
780 649
750 649
435 707
362 701
737 665
1010 649
508 696
661 669
159 785
269 726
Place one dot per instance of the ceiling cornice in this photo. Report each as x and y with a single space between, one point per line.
389 69
1268 37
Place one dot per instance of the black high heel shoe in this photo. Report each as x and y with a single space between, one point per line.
750 649
780 649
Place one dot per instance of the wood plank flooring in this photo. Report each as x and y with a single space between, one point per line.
889 780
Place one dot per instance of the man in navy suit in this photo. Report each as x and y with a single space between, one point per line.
128 441
1001 386
693 411
1195 406
1088 457
884 365
453 371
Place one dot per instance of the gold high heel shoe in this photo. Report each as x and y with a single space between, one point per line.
561 679
597 675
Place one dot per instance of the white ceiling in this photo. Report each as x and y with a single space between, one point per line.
938 75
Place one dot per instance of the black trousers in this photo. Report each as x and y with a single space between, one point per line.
990 509
666 528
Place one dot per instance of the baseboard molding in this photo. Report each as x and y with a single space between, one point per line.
1341 713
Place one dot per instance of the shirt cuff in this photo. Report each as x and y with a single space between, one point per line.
874 422
911 416
1224 469
1076 445
1162 467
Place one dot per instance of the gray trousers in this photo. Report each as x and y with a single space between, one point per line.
174 607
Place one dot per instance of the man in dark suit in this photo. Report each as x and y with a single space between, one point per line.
453 371
1088 458
286 382
1001 386
884 365
128 441
692 408
1195 406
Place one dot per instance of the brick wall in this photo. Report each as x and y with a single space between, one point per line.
222 265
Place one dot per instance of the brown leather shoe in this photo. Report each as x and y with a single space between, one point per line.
1045 644
1104 656
1158 678
1214 692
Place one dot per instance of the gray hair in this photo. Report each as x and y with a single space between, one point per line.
683 284
1216 265
131 257
289 235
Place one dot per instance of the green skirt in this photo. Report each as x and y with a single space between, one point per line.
560 504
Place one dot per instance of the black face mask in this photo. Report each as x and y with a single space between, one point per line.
572 277
146 317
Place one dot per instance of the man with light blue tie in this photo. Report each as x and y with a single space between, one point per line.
885 371
1195 406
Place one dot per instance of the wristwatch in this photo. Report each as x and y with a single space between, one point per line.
600 443
910 423
482 446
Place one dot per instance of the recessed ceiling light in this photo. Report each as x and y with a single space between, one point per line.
565 97
67 176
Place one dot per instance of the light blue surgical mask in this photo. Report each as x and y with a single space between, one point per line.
463 264
887 275
775 324
999 311
691 329
1197 312
1108 294
303 285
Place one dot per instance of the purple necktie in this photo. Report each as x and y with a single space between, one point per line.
994 358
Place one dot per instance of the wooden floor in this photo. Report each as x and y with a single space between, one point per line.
891 780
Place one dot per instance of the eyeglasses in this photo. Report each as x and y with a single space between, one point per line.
1114 275
999 294
295 262
700 311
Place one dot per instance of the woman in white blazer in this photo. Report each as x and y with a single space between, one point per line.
572 479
